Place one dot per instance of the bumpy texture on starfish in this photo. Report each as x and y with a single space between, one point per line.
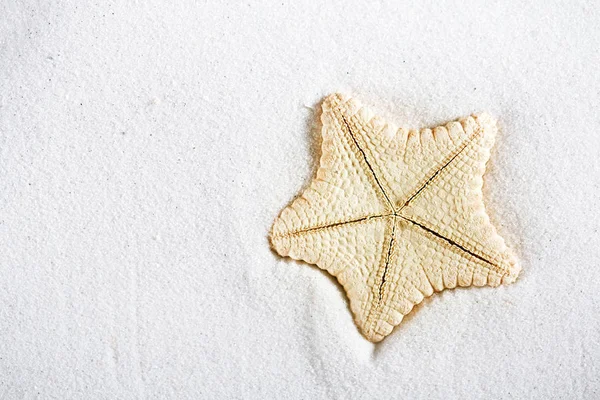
396 215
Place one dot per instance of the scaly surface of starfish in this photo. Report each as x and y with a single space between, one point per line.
396 215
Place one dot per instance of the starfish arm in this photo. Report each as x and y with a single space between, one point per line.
355 253
421 264
451 203
343 189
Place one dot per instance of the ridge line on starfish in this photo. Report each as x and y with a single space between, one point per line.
440 167
453 243
360 149
375 308
387 259
332 225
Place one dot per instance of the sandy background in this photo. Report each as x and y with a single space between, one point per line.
147 146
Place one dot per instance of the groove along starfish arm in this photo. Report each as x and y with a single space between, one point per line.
396 215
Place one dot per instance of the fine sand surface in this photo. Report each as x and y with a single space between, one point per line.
147 146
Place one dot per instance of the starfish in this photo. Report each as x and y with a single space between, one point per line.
396 215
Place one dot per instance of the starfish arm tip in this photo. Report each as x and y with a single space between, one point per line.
373 337
485 118
334 99
377 330
280 245
512 274
487 123
279 236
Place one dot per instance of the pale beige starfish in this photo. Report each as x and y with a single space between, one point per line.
396 215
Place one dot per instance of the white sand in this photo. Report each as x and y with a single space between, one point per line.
146 149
